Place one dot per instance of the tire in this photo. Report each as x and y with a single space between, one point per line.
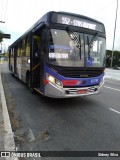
28 80
11 68
28 84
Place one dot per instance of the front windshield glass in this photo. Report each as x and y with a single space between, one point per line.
94 51
63 50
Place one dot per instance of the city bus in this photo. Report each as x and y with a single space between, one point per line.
62 55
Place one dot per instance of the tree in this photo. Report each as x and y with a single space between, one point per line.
108 58
116 58
1 36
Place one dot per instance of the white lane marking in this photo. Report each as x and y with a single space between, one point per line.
114 110
112 88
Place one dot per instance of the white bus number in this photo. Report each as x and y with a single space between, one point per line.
65 20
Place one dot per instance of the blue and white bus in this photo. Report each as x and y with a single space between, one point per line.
62 55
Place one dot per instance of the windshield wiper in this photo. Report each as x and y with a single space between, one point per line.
74 39
90 43
93 40
80 47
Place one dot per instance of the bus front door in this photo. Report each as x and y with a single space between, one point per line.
37 59
35 63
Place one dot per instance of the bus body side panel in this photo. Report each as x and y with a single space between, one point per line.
18 67
24 68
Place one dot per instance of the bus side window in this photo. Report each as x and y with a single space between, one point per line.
23 47
36 46
19 49
28 46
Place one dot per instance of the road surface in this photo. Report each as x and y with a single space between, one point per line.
78 124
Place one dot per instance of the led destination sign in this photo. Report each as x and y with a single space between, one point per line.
77 21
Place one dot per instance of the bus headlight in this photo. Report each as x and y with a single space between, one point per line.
54 81
51 79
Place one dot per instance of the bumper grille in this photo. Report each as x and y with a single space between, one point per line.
77 72
72 91
80 73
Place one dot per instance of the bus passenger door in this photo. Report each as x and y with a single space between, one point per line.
35 61
44 44
37 58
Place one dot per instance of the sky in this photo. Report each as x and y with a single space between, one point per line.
20 15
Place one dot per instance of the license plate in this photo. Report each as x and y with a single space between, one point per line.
83 91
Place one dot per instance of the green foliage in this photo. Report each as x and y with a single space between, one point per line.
116 58
6 54
1 37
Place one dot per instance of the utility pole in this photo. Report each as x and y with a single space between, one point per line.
114 36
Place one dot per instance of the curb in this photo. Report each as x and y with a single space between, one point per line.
9 143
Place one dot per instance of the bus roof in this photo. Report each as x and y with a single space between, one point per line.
48 18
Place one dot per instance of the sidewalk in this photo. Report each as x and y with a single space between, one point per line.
1 128
6 135
112 74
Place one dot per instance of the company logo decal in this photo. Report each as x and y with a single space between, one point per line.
80 82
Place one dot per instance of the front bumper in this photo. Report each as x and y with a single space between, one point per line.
55 92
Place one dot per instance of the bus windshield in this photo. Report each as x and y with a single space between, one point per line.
63 50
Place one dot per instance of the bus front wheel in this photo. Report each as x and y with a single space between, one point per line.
28 83
28 80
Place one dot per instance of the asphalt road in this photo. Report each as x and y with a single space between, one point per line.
78 124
